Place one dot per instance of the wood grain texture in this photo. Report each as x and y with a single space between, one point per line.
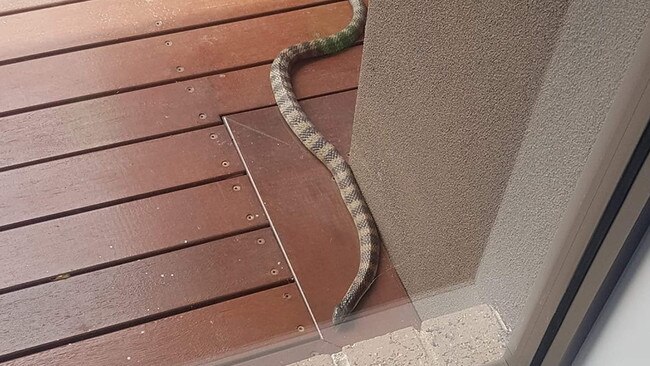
18 6
313 224
100 178
75 128
85 24
196 337
310 79
135 64
140 228
137 290
82 126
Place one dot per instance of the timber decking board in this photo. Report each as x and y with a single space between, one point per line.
134 229
196 337
251 88
309 215
101 71
140 289
85 24
70 128
64 186
18 6
35 136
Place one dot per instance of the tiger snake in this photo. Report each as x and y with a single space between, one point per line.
303 128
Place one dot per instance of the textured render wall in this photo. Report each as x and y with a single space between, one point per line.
473 123
446 90
592 54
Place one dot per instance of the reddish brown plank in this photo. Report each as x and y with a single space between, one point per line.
57 131
73 128
312 222
97 238
85 24
314 78
197 337
17 6
102 177
138 290
104 70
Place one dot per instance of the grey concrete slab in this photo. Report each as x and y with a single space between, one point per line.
470 337
320 360
400 348
474 336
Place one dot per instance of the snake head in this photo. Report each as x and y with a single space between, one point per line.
340 314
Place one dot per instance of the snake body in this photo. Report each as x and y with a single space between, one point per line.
302 127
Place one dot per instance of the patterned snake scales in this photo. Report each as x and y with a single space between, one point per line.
302 127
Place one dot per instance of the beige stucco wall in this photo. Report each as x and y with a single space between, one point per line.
474 120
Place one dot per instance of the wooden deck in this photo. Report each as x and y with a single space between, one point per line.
135 225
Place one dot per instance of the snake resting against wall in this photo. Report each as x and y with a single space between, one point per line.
298 121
